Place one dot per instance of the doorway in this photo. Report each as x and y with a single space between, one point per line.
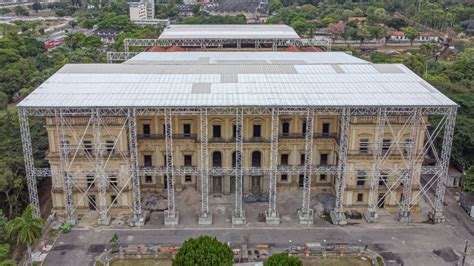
256 185
217 185
301 181
91 200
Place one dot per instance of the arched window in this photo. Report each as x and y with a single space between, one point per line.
234 158
256 159
217 159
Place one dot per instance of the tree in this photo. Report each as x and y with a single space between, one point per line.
336 29
114 242
396 23
278 259
21 11
4 252
204 250
3 100
25 229
3 224
274 6
300 25
36 7
411 33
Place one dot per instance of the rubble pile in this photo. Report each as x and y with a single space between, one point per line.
154 202
255 197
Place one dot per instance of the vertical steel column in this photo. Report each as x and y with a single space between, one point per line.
337 216
63 163
135 177
171 216
272 213
29 161
437 213
409 174
306 213
376 166
239 214
205 216
99 170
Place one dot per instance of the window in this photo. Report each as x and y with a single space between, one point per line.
303 130
113 199
216 159
285 128
322 177
364 146
324 159
386 145
188 179
302 159
361 175
284 178
113 180
188 160
257 131
216 131
383 179
87 146
408 145
325 131
360 197
234 131
187 130
146 130
110 146
90 181
234 159
164 158
164 129
147 160
256 159
284 159
148 179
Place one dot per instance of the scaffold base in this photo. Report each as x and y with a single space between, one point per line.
437 217
171 220
306 218
371 217
404 217
338 218
239 219
104 221
205 218
272 218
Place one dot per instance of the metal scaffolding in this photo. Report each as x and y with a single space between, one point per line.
306 213
95 120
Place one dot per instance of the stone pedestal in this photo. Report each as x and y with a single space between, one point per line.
205 218
371 217
171 220
306 218
272 218
104 220
437 217
239 219
338 218
404 217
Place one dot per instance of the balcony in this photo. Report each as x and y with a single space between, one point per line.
162 136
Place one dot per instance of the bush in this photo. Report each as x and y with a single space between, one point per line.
279 259
204 250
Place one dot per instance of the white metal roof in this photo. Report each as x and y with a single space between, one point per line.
234 31
236 79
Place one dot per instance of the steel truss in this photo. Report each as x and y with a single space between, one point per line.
306 214
119 56
272 204
204 165
96 120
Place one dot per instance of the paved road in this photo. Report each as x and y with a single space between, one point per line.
413 243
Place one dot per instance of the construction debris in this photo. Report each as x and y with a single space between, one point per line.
154 201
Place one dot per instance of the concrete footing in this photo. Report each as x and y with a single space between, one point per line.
73 220
404 217
437 217
338 218
171 220
239 219
104 220
371 217
272 218
205 218
306 218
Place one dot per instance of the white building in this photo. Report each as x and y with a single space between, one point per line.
140 11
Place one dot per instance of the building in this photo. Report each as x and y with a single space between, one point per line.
255 11
399 36
140 11
107 36
234 123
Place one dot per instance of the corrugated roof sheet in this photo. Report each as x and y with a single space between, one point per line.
239 31
275 79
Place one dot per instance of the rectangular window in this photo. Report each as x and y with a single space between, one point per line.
302 159
386 145
113 180
216 131
322 177
234 131
325 130
87 146
90 181
164 129
303 130
284 159
148 179
360 197
285 128
188 160
113 199
187 130
147 160
324 159
364 146
284 178
164 160
146 130
383 179
257 131
110 145
188 179
361 178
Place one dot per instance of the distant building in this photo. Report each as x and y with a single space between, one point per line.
142 10
358 19
468 26
255 11
399 36
185 10
107 36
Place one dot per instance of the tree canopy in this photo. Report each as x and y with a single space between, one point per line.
279 259
204 250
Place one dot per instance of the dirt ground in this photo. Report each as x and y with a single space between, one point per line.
141 262
339 261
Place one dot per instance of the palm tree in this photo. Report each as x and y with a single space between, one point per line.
25 229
